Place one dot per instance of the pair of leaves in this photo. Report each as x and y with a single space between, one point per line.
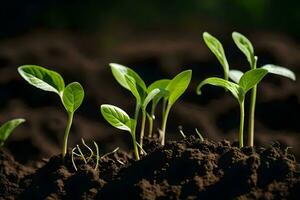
71 96
246 82
7 128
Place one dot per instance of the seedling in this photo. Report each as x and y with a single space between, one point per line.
217 48
71 96
7 128
175 88
131 81
247 48
239 91
119 119
162 85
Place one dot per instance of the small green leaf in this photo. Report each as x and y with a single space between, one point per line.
119 72
235 75
7 128
234 88
42 78
282 71
151 95
216 47
117 117
133 88
73 96
245 46
251 78
178 85
162 85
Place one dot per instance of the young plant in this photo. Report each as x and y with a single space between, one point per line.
216 47
239 91
119 119
175 89
131 81
71 96
247 48
7 128
162 85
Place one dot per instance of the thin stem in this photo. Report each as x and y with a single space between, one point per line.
150 119
97 153
252 110
136 116
66 135
142 130
241 132
164 125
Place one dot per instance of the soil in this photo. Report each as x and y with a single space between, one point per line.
186 169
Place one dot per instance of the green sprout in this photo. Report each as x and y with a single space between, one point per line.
131 81
175 89
249 80
71 96
247 48
7 128
119 119
162 85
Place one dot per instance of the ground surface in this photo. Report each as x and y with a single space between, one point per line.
187 169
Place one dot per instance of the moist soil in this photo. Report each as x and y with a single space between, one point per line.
186 169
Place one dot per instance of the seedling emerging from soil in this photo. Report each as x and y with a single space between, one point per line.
71 96
162 85
247 48
216 47
7 128
134 83
246 82
119 119
175 88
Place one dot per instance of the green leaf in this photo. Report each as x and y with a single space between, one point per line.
245 46
133 88
282 71
235 75
73 96
178 85
119 72
117 117
251 78
216 47
7 128
234 88
151 95
42 78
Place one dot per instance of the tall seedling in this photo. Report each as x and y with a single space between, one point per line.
247 48
246 82
71 96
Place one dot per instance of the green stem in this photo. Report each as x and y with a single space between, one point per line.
241 132
67 131
142 130
150 119
136 116
164 125
252 110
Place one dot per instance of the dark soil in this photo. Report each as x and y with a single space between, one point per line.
187 169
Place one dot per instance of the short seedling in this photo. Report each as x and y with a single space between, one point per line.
71 96
131 81
246 82
7 128
119 119
175 89
247 48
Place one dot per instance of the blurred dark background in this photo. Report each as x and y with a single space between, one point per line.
158 39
